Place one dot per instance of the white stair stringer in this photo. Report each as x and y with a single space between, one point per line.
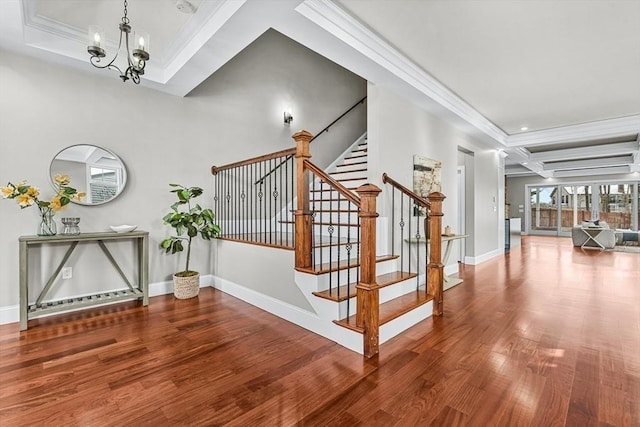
346 153
328 310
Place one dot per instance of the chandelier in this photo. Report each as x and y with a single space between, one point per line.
137 53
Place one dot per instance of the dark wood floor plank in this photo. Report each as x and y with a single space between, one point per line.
547 335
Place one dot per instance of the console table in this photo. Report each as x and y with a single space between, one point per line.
592 241
446 241
141 291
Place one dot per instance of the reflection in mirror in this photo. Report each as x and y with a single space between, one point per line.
93 170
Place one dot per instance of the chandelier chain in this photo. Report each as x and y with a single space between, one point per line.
124 18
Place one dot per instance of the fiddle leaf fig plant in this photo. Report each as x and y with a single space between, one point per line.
189 221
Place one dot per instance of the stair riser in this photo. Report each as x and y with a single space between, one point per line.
359 157
324 254
334 217
386 294
353 184
401 288
339 278
318 205
353 166
359 174
341 232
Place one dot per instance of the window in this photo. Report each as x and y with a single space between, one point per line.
103 184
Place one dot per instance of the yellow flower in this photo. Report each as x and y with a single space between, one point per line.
27 195
80 195
6 192
24 200
62 179
33 192
55 203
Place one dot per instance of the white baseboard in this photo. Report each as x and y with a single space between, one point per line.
484 257
451 269
293 314
11 313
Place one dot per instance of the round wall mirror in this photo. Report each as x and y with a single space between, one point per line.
93 170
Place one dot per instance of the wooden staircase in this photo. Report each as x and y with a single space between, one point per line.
361 292
410 294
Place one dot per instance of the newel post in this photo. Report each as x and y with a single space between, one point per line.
368 311
435 268
302 214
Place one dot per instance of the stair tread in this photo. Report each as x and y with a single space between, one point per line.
342 242
362 178
359 156
350 171
341 265
342 165
340 293
392 309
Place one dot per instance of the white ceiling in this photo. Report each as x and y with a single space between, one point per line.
567 70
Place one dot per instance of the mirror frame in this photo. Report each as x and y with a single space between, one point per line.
115 156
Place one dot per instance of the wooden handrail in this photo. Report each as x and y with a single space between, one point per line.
326 129
276 155
332 182
387 180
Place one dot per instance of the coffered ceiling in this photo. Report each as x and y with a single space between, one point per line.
555 84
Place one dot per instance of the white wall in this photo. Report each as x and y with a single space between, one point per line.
398 129
235 114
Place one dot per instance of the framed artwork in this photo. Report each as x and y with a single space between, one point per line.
426 178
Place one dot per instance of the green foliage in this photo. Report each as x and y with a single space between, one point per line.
188 221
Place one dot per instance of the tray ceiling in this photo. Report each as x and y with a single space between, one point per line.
567 71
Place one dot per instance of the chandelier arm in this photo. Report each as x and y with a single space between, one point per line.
135 77
136 64
96 59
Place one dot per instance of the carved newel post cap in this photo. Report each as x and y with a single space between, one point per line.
368 188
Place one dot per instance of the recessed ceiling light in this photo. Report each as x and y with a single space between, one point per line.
523 128
185 6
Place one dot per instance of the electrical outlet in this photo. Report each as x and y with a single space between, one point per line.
67 272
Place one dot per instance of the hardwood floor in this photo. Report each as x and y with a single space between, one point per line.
548 335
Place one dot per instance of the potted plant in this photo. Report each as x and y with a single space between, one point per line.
189 222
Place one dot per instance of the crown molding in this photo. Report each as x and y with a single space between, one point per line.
584 131
617 149
196 32
347 29
590 163
199 29
594 171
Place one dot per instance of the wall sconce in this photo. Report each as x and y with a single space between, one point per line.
288 117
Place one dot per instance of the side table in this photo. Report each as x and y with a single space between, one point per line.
39 308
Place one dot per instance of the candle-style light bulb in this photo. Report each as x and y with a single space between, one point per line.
141 43
96 39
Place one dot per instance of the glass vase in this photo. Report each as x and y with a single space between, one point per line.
47 223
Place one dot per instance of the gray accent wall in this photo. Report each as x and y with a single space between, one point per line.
235 114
